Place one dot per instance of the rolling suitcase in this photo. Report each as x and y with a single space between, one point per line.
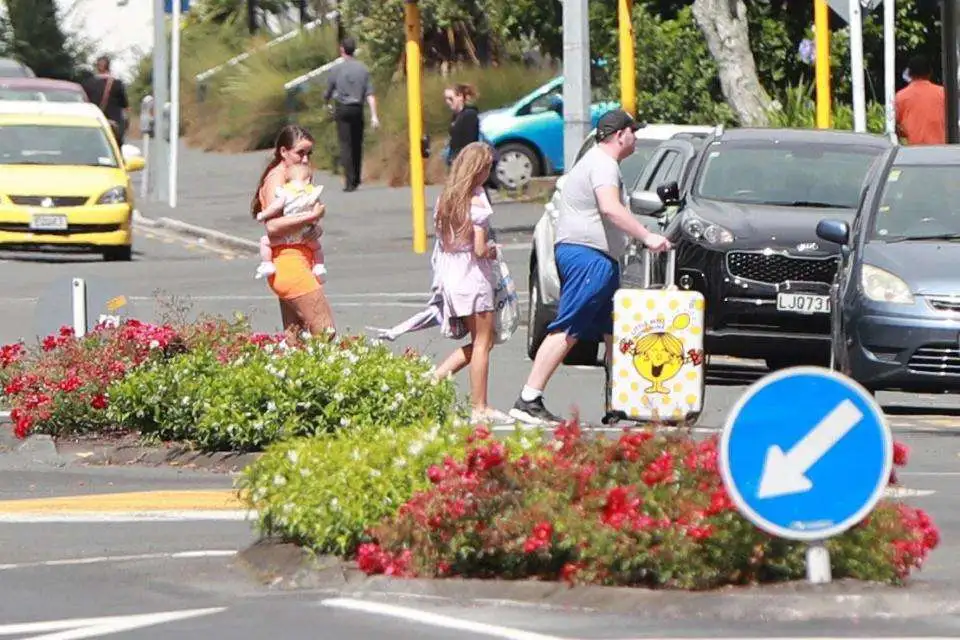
657 370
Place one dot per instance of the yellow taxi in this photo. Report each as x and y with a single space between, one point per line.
64 182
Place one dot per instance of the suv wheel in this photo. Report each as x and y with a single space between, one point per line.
517 164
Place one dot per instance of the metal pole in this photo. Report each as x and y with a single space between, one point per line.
822 21
175 104
252 16
856 67
628 72
951 68
160 98
889 67
79 306
415 117
576 78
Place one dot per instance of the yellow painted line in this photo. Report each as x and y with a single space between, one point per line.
143 501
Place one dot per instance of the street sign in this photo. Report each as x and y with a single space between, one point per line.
168 6
806 453
842 7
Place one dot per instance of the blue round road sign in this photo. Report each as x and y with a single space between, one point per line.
806 453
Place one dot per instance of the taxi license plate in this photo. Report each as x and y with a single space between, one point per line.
803 303
47 222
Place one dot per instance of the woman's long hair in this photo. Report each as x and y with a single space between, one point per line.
469 171
288 138
467 91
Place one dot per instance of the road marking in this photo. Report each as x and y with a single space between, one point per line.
140 502
508 428
79 628
179 555
433 619
95 517
903 492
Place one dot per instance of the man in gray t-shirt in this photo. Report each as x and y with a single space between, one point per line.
592 230
349 85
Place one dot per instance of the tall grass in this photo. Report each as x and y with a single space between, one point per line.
798 109
244 105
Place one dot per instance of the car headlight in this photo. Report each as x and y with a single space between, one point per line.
882 286
706 232
117 195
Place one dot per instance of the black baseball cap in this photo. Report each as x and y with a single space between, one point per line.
613 121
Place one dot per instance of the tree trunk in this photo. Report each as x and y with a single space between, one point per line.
724 27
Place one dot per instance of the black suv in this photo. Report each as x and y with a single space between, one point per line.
743 216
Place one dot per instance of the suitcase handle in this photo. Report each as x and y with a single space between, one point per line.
670 277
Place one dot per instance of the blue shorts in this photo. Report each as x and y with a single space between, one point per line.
588 280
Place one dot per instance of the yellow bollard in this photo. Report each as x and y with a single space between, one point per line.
415 124
628 72
822 29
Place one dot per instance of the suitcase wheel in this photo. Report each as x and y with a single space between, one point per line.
613 417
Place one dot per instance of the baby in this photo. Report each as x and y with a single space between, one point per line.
298 196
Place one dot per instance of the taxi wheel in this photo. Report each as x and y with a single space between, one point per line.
118 254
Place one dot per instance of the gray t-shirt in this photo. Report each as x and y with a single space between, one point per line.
349 83
579 220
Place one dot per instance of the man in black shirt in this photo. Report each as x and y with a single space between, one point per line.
110 94
349 86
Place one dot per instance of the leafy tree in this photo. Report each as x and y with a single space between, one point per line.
37 39
233 12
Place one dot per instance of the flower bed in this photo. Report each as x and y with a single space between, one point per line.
215 384
263 395
61 386
644 510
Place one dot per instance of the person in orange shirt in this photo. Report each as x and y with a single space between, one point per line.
921 106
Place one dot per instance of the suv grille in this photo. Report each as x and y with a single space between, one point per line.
939 359
776 268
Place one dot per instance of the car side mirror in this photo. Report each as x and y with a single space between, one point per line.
835 231
646 203
669 193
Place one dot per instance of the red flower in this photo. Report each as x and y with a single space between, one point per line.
480 433
569 572
50 343
701 532
66 331
370 558
900 454
99 402
695 356
11 353
540 538
435 474
70 384
719 502
15 386
660 470
625 346
620 506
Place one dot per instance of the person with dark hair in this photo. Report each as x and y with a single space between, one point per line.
110 94
303 303
465 123
920 106
348 86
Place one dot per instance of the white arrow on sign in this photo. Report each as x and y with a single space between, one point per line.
785 473
80 628
842 7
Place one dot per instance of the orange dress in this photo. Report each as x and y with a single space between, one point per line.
294 263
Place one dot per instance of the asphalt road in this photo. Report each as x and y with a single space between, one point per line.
375 280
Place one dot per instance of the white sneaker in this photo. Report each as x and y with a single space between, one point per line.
491 416
320 271
265 269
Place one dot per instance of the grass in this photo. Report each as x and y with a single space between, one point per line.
245 105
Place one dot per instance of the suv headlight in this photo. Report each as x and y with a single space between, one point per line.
882 286
706 232
117 195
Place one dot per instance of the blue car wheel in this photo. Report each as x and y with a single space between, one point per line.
517 164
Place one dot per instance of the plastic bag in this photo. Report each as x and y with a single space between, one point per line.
506 302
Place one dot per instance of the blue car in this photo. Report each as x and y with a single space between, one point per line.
528 135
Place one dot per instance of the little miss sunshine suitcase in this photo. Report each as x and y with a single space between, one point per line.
656 373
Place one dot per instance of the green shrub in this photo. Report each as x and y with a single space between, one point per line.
325 493
798 109
270 394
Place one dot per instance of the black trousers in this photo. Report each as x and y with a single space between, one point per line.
349 119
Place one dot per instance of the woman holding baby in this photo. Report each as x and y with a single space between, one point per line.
296 275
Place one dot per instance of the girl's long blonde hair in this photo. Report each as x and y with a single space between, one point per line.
469 171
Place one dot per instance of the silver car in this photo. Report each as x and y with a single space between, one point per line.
652 163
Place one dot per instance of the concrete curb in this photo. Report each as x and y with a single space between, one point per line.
288 567
217 237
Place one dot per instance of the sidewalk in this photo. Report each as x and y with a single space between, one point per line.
216 190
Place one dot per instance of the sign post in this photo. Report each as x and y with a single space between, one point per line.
856 68
576 78
889 67
161 96
176 8
822 62
628 73
806 454
413 29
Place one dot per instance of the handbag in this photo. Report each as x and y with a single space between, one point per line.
506 302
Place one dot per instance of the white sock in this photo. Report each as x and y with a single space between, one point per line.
529 394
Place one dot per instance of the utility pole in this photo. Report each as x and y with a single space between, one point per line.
951 67
628 73
822 21
576 78
413 31
304 15
856 67
340 31
159 156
